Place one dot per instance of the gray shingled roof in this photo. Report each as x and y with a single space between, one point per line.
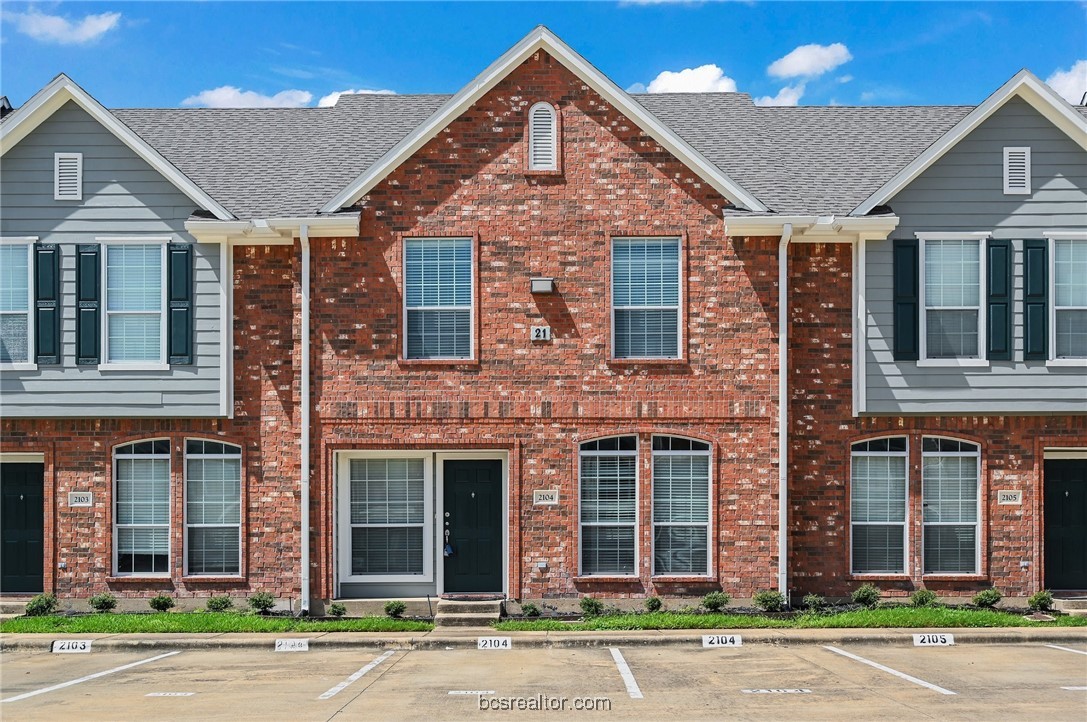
262 163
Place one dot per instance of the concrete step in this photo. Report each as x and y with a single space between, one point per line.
14 605
447 606
1069 605
464 619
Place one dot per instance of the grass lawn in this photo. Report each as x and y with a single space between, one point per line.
204 622
864 618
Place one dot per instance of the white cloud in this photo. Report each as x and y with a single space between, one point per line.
60 30
228 96
844 79
789 95
1070 84
703 79
329 100
809 61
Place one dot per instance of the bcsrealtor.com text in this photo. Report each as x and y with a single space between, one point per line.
545 703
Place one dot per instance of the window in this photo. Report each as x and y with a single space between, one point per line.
1070 298
134 303
1017 171
388 516
542 138
681 506
609 514
438 298
213 507
952 319
68 176
15 303
141 474
877 506
645 298
949 483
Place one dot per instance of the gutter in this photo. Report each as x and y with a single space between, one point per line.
304 423
783 409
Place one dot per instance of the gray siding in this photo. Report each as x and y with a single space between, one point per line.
122 195
963 192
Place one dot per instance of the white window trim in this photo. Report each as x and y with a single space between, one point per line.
679 307
981 360
57 158
977 521
637 505
554 137
1051 252
343 516
31 363
1008 190
185 502
708 453
106 365
906 519
404 301
168 525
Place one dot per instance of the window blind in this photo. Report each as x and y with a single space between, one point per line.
645 297
14 303
608 492
134 278
878 506
952 298
438 297
949 484
142 508
213 493
681 513
387 516
1070 298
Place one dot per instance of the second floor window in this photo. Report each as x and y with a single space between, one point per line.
952 288
14 303
134 303
1070 298
438 292
645 293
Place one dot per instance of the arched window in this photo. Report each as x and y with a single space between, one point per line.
213 508
681 506
877 505
543 137
141 519
950 476
609 514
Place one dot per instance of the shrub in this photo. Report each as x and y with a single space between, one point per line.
41 605
218 604
394 608
769 600
923 598
716 601
161 603
336 610
653 604
528 609
104 602
591 607
866 595
1041 600
814 602
987 598
262 602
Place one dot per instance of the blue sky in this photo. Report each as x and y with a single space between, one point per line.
239 53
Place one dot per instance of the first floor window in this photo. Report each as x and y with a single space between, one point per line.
438 298
142 507
681 506
1070 298
645 299
134 305
14 302
949 482
609 516
387 516
878 506
952 286
213 491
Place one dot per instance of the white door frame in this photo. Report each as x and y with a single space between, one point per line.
439 504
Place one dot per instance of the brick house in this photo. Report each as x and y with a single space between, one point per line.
525 340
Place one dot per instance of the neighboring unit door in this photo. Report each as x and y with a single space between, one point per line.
1066 524
23 533
473 517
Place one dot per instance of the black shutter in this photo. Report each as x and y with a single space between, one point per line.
1035 299
179 296
999 282
88 293
47 303
906 301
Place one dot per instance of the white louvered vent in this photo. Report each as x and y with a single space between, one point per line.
1017 171
68 176
542 138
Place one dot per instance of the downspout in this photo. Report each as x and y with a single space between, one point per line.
783 409
304 430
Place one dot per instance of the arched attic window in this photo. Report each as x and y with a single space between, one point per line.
543 152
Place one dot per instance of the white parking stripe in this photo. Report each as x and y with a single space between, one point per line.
88 678
1066 649
624 672
355 677
888 670
1075 689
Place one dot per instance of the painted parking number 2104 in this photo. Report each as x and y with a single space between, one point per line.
494 643
722 640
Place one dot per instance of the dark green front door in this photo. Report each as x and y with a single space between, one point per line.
22 538
1066 524
473 517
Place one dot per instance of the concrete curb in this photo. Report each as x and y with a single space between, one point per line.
466 639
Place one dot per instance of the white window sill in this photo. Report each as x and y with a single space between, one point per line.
133 367
1067 362
953 363
385 578
19 367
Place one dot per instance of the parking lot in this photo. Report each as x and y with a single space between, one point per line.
755 681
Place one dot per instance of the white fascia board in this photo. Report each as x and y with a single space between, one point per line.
1025 85
814 229
543 39
273 231
49 100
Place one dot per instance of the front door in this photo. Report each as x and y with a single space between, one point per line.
1066 523
473 519
22 536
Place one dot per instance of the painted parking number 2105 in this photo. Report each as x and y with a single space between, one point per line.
933 640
